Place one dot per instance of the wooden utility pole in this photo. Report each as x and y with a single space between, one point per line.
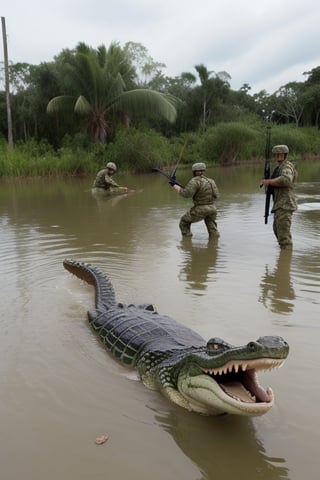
7 84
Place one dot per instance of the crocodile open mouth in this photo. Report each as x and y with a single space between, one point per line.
239 380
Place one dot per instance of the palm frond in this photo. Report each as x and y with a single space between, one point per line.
82 106
99 82
116 86
61 103
147 102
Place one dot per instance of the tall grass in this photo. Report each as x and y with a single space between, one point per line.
138 150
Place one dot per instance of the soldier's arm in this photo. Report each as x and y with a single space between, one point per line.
284 180
189 190
215 190
110 181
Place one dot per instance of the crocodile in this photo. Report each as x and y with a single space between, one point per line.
209 378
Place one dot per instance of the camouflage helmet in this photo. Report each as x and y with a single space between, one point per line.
196 167
112 166
280 149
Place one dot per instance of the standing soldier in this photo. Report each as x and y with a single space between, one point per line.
204 192
282 181
104 181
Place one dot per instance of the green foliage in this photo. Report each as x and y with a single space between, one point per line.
227 143
99 89
77 142
39 159
192 152
139 150
301 141
34 149
295 138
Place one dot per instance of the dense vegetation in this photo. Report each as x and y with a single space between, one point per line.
91 105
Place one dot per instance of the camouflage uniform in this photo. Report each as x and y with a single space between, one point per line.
204 192
104 181
284 203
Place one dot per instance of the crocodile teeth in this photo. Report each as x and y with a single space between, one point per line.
238 366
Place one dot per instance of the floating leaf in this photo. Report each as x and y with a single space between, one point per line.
101 440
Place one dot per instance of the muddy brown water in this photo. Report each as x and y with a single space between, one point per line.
60 389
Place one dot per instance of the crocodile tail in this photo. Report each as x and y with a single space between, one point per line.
104 292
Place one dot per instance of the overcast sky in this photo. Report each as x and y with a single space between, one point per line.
265 43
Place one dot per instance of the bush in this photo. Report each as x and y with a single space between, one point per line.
139 150
227 143
294 137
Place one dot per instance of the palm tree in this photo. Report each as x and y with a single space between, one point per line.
204 76
213 87
99 83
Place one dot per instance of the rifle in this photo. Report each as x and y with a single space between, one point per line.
172 176
266 174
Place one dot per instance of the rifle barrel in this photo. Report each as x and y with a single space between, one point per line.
169 177
267 174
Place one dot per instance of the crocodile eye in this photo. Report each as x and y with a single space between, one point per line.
215 344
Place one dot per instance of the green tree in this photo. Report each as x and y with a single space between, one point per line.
45 83
19 83
32 86
311 99
211 92
313 76
98 83
265 105
311 96
204 76
290 103
241 102
147 70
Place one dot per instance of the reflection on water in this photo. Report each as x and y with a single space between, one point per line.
59 388
277 291
102 198
222 447
198 263
306 271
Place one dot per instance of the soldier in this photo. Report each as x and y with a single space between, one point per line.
204 192
282 181
105 182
